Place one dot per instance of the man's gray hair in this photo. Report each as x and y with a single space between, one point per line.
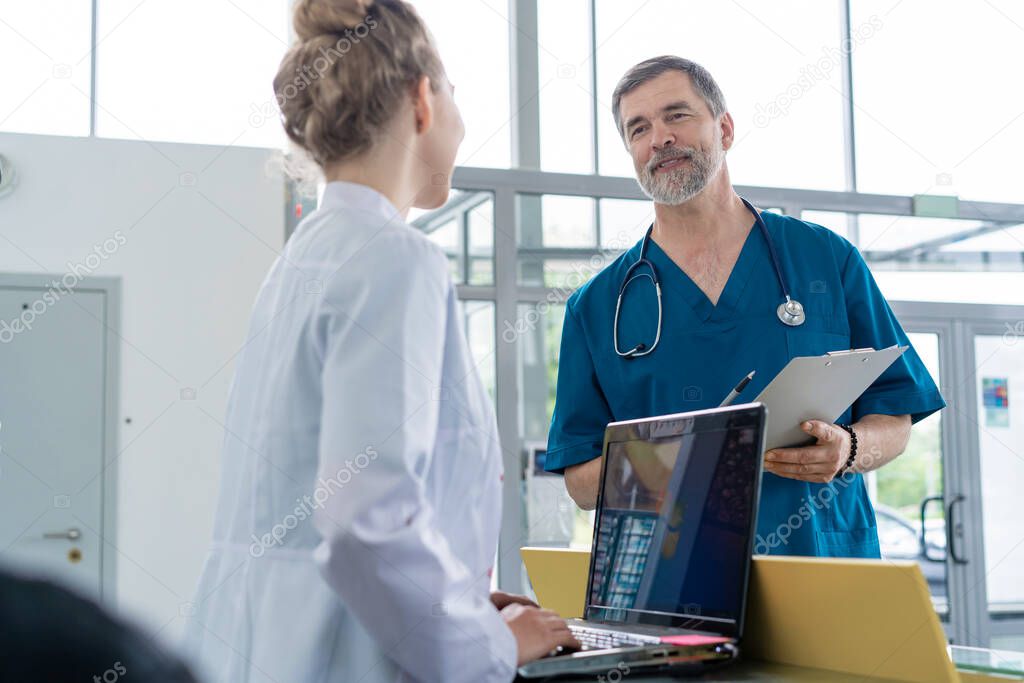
650 69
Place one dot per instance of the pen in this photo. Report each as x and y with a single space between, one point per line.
738 389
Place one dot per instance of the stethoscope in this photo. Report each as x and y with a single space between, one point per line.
790 311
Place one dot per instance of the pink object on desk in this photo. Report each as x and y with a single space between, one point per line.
693 639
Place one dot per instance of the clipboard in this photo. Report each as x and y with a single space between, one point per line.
819 388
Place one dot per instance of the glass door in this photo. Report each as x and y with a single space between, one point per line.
997 432
970 513
908 492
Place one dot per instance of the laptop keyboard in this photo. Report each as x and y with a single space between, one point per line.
601 639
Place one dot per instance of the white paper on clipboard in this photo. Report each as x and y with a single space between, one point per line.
819 388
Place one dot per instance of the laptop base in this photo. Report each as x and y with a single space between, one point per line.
650 659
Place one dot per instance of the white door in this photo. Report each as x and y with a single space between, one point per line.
52 417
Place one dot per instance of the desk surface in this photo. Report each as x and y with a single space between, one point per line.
763 672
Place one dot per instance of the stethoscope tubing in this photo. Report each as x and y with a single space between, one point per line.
790 312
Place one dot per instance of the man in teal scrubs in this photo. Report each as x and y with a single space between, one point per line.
720 293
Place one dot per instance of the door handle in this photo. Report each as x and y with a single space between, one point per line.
924 544
71 534
953 528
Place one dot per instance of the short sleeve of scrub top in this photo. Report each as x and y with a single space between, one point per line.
906 387
580 417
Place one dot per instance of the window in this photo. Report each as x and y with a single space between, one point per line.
566 91
951 123
478 322
836 222
552 517
563 245
949 274
464 229
778 64
463 35
624 222
882 236
44 46
567 222
190 70
557 237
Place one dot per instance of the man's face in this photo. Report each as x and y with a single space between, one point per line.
675 141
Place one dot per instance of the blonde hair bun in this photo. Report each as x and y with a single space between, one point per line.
353 68
314 18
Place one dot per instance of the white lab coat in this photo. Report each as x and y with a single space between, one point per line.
359 435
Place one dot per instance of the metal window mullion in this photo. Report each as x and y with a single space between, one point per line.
594 108
527 181
953 466
524 62
962 613
474 292
93 40
970 513
849 137
462 221
506 403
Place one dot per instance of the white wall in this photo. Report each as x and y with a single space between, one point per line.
201 226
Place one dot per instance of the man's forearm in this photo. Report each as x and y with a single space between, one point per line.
582 481
880 439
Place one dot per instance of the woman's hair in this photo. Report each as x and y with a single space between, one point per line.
353 64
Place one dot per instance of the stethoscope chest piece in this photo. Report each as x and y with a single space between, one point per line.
791 312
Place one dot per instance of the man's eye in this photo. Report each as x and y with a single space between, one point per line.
638 129
677 116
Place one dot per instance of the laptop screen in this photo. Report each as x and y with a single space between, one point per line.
672 538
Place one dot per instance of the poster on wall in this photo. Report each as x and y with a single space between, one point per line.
995 397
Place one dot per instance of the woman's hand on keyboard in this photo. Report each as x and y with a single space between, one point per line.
537 631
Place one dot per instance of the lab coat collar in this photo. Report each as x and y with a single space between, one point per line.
339 194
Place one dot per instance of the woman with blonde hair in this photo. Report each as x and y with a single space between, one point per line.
360 498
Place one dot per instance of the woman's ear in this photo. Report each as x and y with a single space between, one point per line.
423 107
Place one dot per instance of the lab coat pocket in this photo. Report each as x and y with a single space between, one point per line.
848 543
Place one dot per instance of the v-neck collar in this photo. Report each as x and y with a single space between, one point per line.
674 277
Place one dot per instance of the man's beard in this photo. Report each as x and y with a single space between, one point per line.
681 184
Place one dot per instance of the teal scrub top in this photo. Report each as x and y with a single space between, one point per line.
706 349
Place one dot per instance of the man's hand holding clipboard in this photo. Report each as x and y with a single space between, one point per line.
805 399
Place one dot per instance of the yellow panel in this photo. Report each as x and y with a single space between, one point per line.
559 578
865 617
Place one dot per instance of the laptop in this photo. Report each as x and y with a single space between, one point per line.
673 537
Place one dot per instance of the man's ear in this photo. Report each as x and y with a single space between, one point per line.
422 106
728 130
